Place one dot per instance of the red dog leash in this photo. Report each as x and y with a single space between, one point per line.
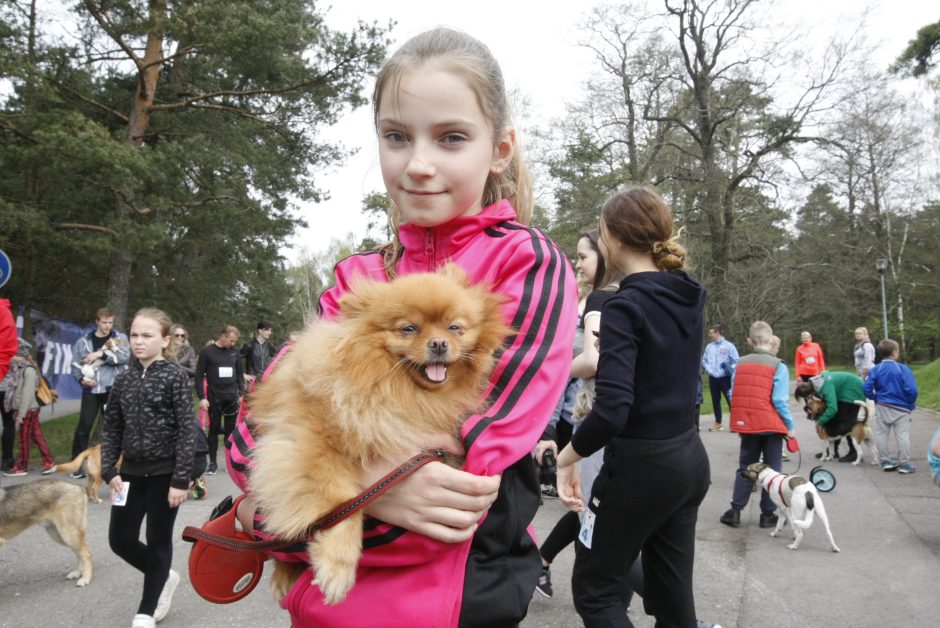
344 510
779 488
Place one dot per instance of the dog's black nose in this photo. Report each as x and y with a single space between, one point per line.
437 346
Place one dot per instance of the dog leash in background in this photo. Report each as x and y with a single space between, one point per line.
344 510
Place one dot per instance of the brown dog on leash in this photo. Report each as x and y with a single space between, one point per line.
91 457
859 431
60 507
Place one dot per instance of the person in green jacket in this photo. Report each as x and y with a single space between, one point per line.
842 393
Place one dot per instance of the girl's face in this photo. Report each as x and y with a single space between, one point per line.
805 337
586 264
436 147
147 340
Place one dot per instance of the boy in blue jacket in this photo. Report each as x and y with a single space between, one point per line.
892 386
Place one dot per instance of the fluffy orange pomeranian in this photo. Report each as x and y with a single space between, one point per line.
403 360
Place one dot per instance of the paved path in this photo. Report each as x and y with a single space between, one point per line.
887 525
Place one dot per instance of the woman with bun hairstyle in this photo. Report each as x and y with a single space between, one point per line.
656 472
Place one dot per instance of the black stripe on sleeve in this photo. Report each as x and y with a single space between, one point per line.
553 314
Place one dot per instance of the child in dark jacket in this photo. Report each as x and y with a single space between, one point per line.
149 419
892 386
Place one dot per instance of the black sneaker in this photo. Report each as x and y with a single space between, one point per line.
731 518
549 491
545 582
768 520
77 475
212 469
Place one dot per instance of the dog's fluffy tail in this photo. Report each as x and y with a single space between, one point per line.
75 464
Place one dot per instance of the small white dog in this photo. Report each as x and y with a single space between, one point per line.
90 371
797 499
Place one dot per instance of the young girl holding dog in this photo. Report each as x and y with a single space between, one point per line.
149 420
655 472
449 547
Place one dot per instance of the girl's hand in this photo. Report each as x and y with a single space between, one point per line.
568 481
117 487
437 501
176 497
542 446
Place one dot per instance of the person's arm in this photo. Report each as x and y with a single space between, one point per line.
780 396
615 377
201 364
733 353
79 351
828 395
868 386
185 450
240 377
112 431
187 361
8 340
821 358
908 385
798 360
585 364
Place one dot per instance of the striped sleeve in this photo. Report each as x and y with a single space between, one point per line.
532 372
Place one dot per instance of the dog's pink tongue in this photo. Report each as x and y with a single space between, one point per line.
436 372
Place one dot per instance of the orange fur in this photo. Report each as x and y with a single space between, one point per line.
356 390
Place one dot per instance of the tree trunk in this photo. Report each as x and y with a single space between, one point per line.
138 121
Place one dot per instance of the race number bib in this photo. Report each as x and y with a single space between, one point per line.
226 371
587 529
811 360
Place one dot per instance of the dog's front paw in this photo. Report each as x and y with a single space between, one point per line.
774 533
792 546
836 549
335 581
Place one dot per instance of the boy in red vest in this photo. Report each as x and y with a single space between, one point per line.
760 391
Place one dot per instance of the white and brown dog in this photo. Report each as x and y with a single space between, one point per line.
797 499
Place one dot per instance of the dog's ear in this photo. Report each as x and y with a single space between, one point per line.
354 303
455 273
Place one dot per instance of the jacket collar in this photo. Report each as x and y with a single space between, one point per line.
443 241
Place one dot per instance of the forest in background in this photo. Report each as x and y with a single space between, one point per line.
157 160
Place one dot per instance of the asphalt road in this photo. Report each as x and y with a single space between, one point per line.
887 525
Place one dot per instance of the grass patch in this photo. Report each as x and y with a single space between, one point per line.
928 384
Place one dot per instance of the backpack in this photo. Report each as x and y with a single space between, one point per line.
45 394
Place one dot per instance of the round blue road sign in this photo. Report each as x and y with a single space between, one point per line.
5 268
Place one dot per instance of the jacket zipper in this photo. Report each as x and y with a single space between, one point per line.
429 248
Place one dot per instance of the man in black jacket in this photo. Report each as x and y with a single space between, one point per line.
259 352
220 366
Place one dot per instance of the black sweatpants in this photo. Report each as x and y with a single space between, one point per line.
147 496
8 438
221 407
93 404
646 497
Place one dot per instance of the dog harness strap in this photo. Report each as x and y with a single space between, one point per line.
344 510
781 477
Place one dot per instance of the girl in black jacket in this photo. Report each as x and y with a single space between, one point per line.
149 419
655 471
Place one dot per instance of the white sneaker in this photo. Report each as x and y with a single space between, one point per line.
166 596
143 621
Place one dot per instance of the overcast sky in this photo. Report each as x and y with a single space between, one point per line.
536 45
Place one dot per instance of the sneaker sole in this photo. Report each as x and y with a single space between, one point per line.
543 593
905 471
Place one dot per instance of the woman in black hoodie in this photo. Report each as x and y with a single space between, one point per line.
656 471
149 420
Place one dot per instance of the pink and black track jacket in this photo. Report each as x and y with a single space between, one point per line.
410 579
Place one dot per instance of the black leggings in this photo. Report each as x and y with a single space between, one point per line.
92 404
221 407
147 496
566 531
646 497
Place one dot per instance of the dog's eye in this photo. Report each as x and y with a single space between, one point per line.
455 327
409 329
